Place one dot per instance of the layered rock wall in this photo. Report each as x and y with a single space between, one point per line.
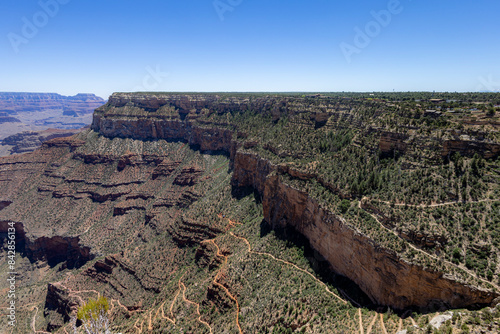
13 103
470 147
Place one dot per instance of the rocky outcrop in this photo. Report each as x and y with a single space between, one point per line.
320 118
55 250
187 232
470 147
50 250
59 306
383 275
4 204
390 142
422 239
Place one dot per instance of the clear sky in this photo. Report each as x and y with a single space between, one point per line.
72 46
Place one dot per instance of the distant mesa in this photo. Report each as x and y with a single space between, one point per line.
13 103
23 113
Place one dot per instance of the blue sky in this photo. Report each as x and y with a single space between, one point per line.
242 45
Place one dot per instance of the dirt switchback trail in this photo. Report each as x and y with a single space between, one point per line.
161 308
139 329
151 320
197 307
369 329
361 330
382 323
34 321
212 241
290 264
432 205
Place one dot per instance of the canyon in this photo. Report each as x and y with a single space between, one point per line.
146 167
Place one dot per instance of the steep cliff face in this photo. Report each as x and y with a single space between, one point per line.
381 273
50 250
384 276
390 142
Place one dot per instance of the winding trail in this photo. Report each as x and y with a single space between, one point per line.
361 330
382 325
223 287
173 303
113 301
34 320
33 323
172 320
433 205
290 264
73 293
161 308
150 323
197 308
139 329
230 223
369 329
159 311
